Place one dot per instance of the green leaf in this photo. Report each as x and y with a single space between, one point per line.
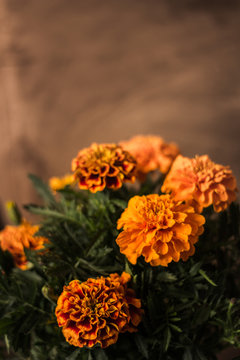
166 338
195 269
37 353
175 327
5 323
87 265
43 189
127 268
73 355
51 213
206 277
6 263
6 341
201 315
166 276
141 345
99 354
89 356
97 243
28 322
120 203
200 355
187 354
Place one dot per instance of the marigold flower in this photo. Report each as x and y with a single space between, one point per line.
97 310
103 165
15 238
151 153
201 180
58 183
159 228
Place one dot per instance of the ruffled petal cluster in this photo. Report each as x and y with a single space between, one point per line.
97 310
159 228
15 238
202 181
103 165
58 183
151 153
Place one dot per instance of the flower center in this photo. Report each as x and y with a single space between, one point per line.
202 165
101 155
157 214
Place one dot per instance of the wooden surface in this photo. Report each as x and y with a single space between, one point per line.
75 72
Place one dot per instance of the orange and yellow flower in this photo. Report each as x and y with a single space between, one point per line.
159 228
103 165
15 238
58 183
97 310
151 153
202 181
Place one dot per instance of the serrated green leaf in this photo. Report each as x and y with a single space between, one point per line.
96 244
51 213
43 189
87 265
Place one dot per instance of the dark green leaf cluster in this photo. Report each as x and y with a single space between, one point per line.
191 309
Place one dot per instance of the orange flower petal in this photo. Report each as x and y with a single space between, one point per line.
159 228
97 310
201 180
103 165
16 238
151 153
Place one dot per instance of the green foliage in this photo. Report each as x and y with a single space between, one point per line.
191 309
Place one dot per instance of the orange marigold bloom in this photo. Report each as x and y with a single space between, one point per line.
159 228
15 238
58 183
103 165
97 310
201 180
151 153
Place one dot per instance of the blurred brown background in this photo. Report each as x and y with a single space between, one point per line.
74 71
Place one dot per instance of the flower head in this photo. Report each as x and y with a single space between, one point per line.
15 238
159 228
201 180
151 153
103 165
97 310
57 183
